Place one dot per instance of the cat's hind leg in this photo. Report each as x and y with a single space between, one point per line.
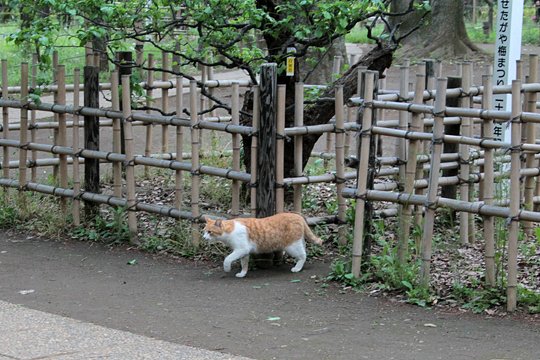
298 251
245 264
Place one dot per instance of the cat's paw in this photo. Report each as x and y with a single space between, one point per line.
295 269
241 274
226 267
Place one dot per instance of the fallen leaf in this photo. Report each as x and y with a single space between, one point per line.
24 292
430 325
132 262
273 318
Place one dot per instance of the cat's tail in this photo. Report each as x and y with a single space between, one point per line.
310 236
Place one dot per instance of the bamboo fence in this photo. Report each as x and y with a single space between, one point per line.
401 178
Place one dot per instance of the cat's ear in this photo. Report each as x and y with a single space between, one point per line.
206 219
218 223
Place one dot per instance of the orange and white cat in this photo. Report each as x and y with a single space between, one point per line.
284 231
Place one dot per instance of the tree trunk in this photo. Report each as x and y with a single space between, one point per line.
444 34
379 58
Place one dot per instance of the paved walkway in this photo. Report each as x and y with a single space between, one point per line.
31 334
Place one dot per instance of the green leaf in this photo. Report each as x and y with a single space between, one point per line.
296 280
273 318
132 262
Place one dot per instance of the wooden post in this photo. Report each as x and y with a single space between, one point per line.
280 148
515 200
266 160
235 113
5 120
433 184
489 182
429 69
76 208
33 118
149 103
124 61
195 166
179 181
23 138
298 143
91 137
62 134
464 170
336 69
254 149
410 174
55 100
530 138
362 179
450 191
401 143
117 135
340 165
165 103
130 164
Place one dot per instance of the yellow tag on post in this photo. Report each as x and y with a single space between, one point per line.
290 66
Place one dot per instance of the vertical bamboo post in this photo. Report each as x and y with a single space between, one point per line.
429 68
401 144
149 103
336 69
464 170
340 164
530 138
33 118
280 148
235 114
348 135
195 171
76 208
202 99
467 84
298 143
117 136
488 183
23 137
164 103
410 174
361 187
381 116
62 134
179 181
130 157
513 232
433 184
254 146
55 100
5 120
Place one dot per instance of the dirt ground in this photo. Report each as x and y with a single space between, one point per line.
271 314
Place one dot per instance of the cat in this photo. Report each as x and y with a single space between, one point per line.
284 231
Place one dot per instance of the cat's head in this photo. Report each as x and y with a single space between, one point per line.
213 230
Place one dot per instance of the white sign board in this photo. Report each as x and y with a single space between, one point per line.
507 51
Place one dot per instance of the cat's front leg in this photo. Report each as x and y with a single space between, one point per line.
245 264
235 255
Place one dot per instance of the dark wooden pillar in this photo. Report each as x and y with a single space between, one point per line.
450 191
266 157
91 136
